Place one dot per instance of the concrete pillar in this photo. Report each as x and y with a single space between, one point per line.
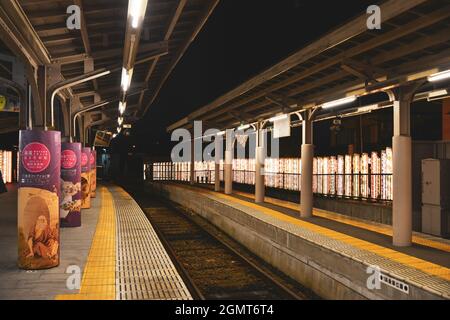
218 151
228 165
306 193
402 174
228 174
402 191
192 168
259 175
259 167
307 154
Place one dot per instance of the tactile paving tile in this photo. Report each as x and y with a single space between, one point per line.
144 269
416 271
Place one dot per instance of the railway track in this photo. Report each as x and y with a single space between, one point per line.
213 265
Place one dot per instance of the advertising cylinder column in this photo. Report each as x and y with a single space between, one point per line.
38 199
85 178
70 200
93 164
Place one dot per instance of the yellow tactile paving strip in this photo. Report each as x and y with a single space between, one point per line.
407 260
99 276
382 229
144 269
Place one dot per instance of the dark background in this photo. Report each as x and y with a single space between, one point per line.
240 39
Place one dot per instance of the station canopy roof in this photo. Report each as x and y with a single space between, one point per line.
413 43
40 27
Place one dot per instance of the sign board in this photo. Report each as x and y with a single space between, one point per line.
282 128
102 139
9 103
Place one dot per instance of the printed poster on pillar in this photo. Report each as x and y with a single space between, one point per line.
85 178
93 165
38 199
70 200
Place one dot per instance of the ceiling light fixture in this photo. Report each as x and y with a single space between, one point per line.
137 8
243 127
126 79
122 107
279 117
338 102
439 76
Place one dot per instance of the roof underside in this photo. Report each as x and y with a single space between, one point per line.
414 37
169 27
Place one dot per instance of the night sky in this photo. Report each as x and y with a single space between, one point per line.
240 40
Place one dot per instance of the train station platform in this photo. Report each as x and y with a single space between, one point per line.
116 251
332 254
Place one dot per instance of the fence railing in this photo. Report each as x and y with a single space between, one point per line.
357 177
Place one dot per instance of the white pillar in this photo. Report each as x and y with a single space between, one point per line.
402 173
402 191
259 175
192 168
306 193
228 168
307 154
218 151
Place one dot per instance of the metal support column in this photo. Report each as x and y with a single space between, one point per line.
402 167
259 165
228 166
218 152
192 168
307 154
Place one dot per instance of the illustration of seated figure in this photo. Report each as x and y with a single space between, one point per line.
85 189
42 242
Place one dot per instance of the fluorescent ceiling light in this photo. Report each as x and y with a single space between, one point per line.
339 102
120 120
279 117
244 127
439 76
119 129
114 135
122 107
437 93
137 11
126 79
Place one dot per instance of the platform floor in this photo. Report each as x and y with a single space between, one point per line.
116 249
426 263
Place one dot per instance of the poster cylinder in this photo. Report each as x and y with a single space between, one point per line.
85 178
70 200
93 164
38 199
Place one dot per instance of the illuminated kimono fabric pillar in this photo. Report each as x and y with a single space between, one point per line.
70 200
93 165
85 178
38 199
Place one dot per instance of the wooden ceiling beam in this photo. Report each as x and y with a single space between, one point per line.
359 49
182 49
170 27
390 9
